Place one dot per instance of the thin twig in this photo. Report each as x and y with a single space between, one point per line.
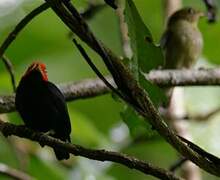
212 10
92 10
95 69
204 117
13 173
10 70
125 41
11 37
101 155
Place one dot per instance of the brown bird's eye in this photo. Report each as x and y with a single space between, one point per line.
191 11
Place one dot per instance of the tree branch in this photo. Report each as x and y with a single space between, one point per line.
10 70
95 69
92 10
95 87
11 37
13 173
185 77
100 155
204 116
212 10
177 164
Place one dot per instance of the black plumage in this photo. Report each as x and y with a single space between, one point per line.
42 106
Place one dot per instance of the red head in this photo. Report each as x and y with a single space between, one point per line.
37 66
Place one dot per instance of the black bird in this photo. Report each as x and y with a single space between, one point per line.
42 106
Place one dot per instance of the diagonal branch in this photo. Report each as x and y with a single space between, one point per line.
100 155
11 37
127 84
95 69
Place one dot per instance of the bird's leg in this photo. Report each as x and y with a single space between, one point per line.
50 132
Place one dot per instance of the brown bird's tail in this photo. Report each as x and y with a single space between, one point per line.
168 93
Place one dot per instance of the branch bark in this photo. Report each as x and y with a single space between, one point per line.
95 87
101 155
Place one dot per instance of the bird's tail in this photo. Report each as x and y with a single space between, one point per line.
60 154
168 93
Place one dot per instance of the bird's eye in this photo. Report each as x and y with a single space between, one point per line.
191 11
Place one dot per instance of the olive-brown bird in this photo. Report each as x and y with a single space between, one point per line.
42 106
182 41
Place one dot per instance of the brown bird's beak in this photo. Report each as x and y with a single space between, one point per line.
201 14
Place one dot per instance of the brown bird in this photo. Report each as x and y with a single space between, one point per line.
42 106
182 41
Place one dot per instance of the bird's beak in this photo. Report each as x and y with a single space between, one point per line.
201 14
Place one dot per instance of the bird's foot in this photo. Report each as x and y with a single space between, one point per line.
48 133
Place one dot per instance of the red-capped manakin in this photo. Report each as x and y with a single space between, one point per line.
42 106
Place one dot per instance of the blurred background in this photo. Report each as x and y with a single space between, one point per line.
96 122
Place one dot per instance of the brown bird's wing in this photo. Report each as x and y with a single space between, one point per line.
164 39
171 43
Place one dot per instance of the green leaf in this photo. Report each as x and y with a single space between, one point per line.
135 123
146 55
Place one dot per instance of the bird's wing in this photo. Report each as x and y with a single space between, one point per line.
164 39
59 104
